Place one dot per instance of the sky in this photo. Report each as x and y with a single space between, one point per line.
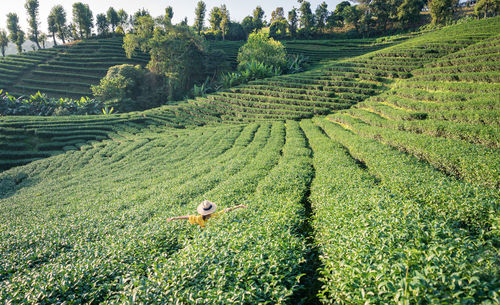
238 9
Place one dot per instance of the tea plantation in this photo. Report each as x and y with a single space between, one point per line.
371 178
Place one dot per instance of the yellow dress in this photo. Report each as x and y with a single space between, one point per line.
198 219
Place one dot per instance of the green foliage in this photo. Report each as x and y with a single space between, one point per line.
112 18
278 29
442 10
16 35
177 54
4 41
258 18
39 104
200 12
306 19
262 49
83 19
122 84
487 8
405 230
102 24
32 10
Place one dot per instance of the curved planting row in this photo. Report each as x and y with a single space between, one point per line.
72 69
454 125
25 139
116 243
13 67
392 229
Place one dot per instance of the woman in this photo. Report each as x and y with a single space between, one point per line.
206 209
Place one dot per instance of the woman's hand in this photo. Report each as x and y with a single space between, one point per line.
170 219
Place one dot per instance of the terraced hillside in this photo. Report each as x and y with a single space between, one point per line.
447 114
331 87
392 201
66 71
25 139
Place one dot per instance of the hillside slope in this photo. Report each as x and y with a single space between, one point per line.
65 70
337 85
394 200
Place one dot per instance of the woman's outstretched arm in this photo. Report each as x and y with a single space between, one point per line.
178 217
234 208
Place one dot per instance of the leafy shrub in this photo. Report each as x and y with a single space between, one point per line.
262 49
120 82
40 104
250 71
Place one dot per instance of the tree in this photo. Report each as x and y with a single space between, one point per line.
258 18
236 32
487 8
321 16
409 12
58 15
122 19
442 10
31 7
83 19
102 24
261 49
112 18
169 14
247 24
51 20
200 12
278 29
215 18
15 31
4 41
176 52
277 14
352 15
292 22
306 18
140 13
224 24
42 38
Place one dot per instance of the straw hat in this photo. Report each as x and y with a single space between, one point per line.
206 208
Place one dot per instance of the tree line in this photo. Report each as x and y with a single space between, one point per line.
365 17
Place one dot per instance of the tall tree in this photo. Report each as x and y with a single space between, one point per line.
258 18
176 53
277 14
224 23
306 17
409 12
31 7
42 38
292 22
19 42
442 10
169 14
215 18
4 41
51 20
112 18
83 19
247 24
321 16
102 24
140 13
200 12
122 18
487 8
59 16
16 35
